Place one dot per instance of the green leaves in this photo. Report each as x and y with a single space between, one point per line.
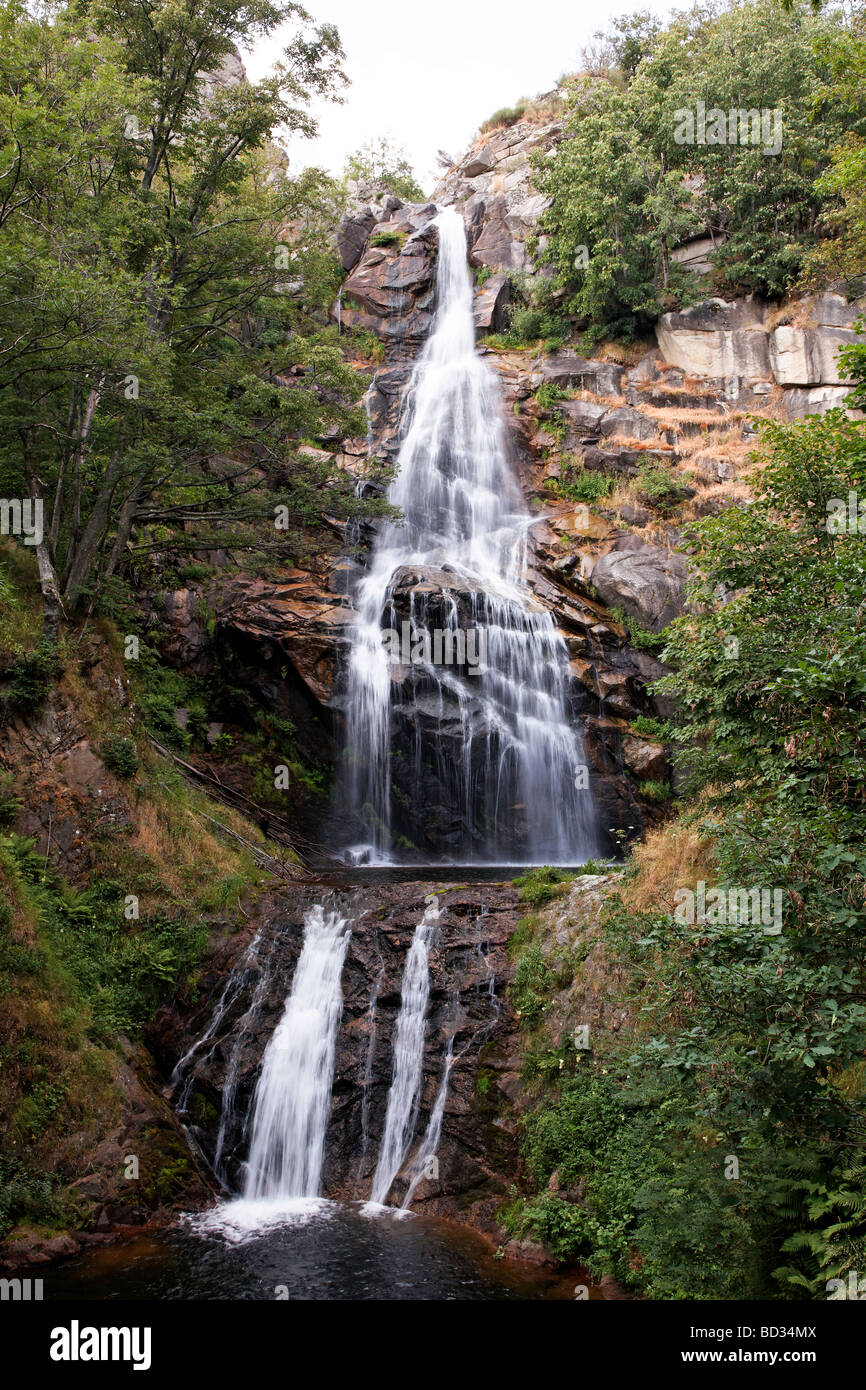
623 187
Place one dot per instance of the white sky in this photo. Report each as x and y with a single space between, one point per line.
428 72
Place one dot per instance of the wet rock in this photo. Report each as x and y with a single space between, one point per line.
469 974
391 289
529 1252
300 617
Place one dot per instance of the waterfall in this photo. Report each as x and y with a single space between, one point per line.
512 779
292 1099
430 1142
404 1095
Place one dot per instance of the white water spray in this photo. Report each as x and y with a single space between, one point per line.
292 1100
403 1098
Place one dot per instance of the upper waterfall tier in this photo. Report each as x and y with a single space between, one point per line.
510 764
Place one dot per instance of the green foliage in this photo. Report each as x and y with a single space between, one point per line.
10 799
387 166
149 307
534 315
655 791
532 984
583 485
624 187
121 756
505 116
28 1194
647 727
747 1043
640 637
119 969
159 692
548 394
388 239
25 682
659 487
539 886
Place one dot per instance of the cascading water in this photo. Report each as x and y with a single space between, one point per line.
292 1100
403 1097
512 776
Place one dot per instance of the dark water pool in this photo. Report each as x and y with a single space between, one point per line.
314 1250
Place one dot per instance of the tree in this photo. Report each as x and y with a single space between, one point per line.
161 274
635 177
386 165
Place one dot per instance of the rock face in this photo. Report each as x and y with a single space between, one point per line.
299 618
390 291
469 972
645 580
493 187
744 342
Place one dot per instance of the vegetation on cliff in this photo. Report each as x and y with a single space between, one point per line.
718 1142
165 288
632 180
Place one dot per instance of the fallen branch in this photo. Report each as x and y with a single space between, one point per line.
288 837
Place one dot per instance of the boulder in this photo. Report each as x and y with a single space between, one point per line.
584 417
623 420
298 617
569 370
491 301
717 339
352 237
804 356
494 244
391 290
481 162
814 400
645 759
644 580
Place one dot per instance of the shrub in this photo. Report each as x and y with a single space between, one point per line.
647 727
660 488
505 116
10 801
194 573
388 239
548 394
121 756
655 791
643 638
538 886
584 486
29 678
532 985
